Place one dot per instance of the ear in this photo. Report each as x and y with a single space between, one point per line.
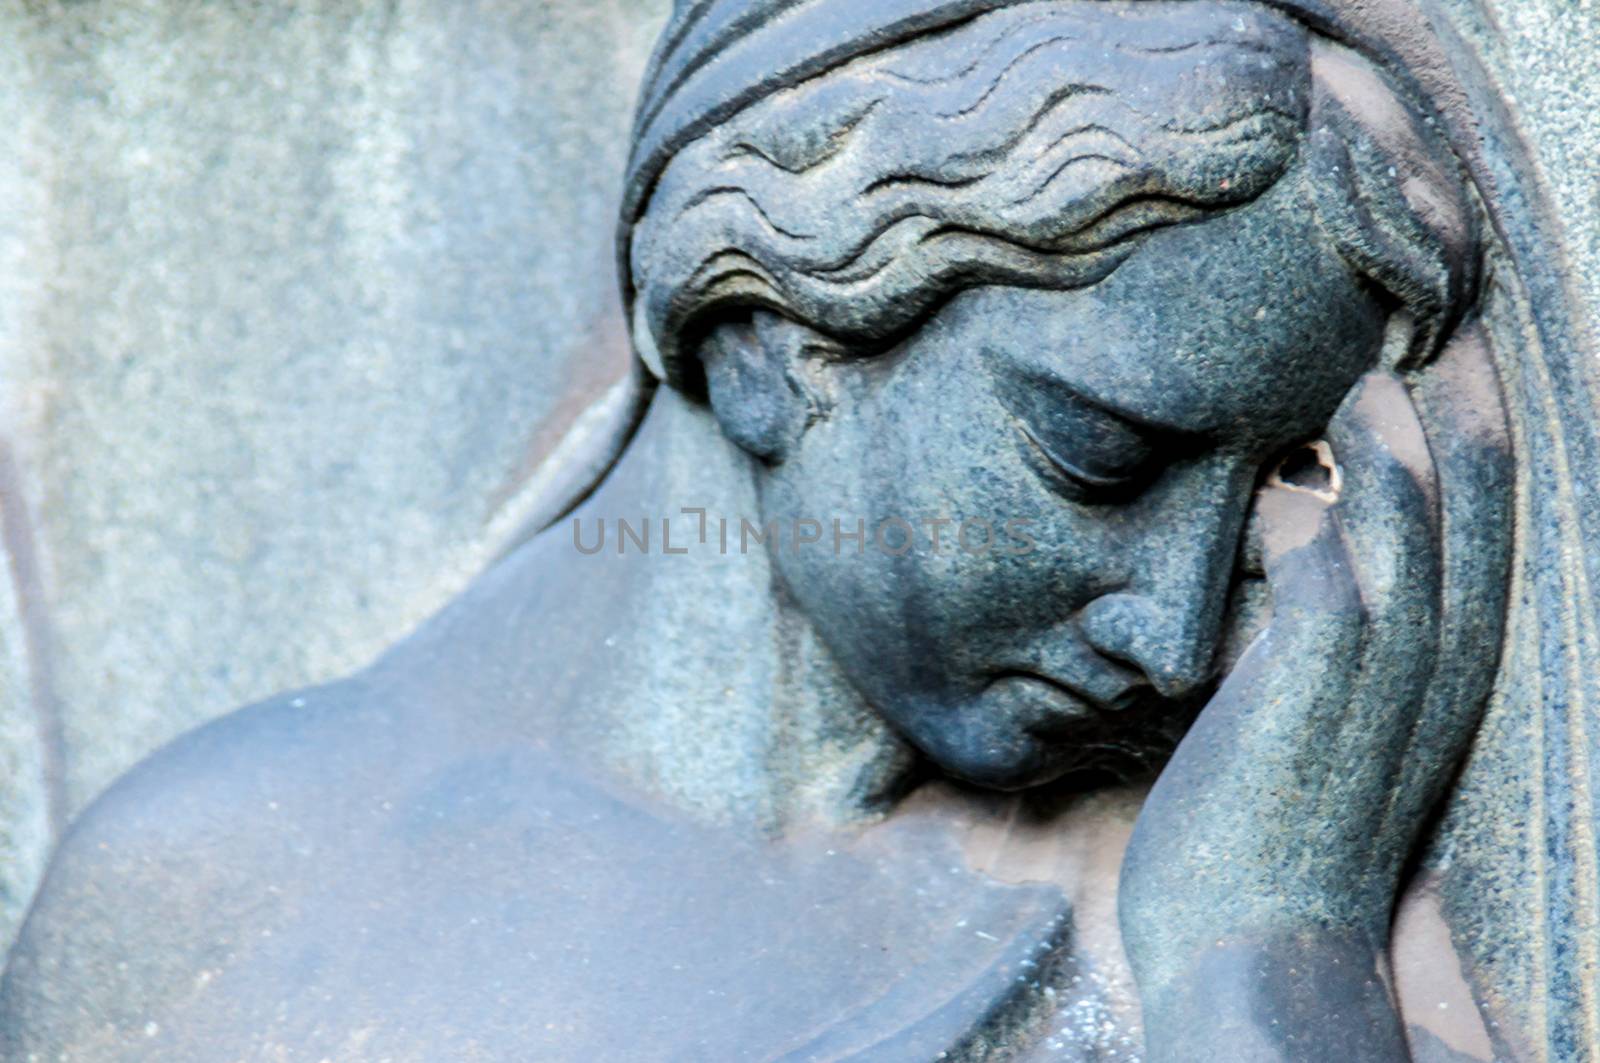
752 372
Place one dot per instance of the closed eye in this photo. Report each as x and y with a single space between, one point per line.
1076 445
1060 464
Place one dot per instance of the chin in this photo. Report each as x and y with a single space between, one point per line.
1021 760
1016 763
1004 742
1072 768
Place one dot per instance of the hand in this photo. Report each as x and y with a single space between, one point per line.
1260 880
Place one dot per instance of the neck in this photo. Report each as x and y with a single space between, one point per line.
674 662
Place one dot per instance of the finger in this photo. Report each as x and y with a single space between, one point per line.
1316 602
1291 517
1388 502
1388 515
1462 411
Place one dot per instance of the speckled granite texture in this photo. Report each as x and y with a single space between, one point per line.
295 301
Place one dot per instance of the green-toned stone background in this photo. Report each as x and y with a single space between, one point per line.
296 297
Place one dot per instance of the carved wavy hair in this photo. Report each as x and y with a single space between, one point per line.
1032 146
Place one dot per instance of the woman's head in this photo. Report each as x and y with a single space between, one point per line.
1081 269
1031 145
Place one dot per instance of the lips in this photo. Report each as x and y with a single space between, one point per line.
1063 708
1028 727
1068 702
1112 695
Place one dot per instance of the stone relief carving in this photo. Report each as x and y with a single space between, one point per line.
1098 569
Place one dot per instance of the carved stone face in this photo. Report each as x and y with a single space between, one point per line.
1111 438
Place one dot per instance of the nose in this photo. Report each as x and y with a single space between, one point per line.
1167 621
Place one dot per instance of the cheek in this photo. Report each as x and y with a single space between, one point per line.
994 554
858 594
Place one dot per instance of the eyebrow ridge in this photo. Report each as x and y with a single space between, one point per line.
1151 430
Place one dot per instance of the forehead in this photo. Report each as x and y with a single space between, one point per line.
1244 325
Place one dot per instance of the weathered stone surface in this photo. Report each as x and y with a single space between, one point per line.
774 693
26 833
295 299
1541 56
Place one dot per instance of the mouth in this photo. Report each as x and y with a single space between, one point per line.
1067 705
1026 728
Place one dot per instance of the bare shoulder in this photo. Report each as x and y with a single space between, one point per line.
165 876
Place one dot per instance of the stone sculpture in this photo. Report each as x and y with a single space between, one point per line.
1088 586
